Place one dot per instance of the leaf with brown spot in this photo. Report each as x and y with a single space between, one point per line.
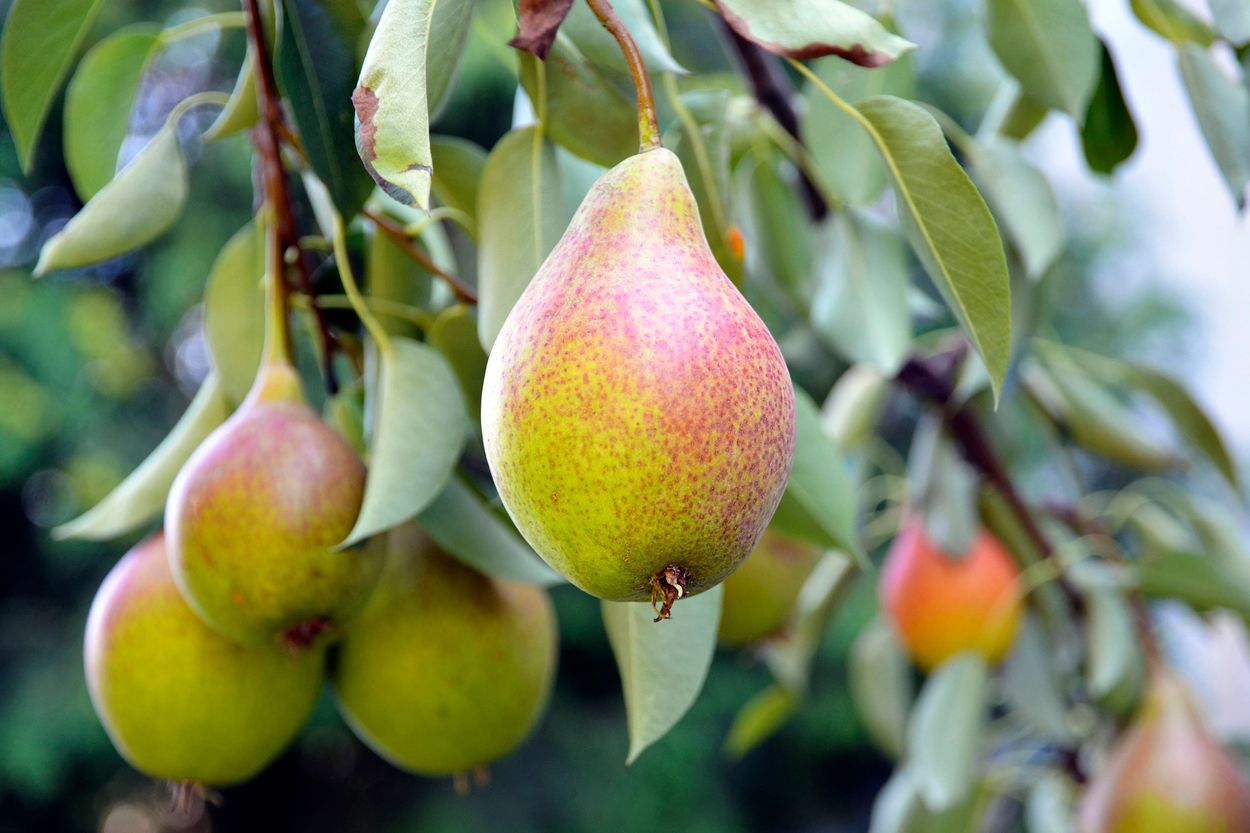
539 21
804 29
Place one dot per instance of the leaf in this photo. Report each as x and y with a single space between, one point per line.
804 29
98 102
662 664
392 275
1222 107
242 109
854 406
774 225
1232 18
944 488
948 225
1049 47
464 527
40 39
1022 201
418 432
539 21
1032 686
584 111
315 66
1205 583
790 655
593 41
455 335
819 501
141 496
234 303
860 304
1173 21
141 202
1108 134
844 156
1113 662
1051 805
1021 116
879 678
758 720
458 165
521 216
449 33
944 734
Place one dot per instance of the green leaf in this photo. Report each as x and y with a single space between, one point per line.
140 498
1232 18
854 405
592 40
234 310
1108 134
141 202
98 102
1222 106
1049 47
315 66
860 305
662 664
844 156
944 488
467 529
1113 662
40 39
455 335
944 734
1051 805
1032 685
1022 201
449 33
1020 116
521 216
819 501
585 111
790 655
879 678
1173 21
758 720
242 110
949 226
1214 581
803 29
418 431
458 165
392 275
774 225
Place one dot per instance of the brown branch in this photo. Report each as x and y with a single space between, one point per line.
396 232
648 124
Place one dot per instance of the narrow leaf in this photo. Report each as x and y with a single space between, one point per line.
1033 686
242 110
790 655
879 678
944 488
758 720
944 735
1222 107
455 335
458 165
1113 664
593 41
1173 21
540 21
774 226
1022 201
144 200
803 29
234 321
1204 583
1232 18
854 406
1049 47
418 432
140 498
662 664
1108 134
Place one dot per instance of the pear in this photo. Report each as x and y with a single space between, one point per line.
760 597
1166 774
255 515
942 604
445 669
638 417
180 701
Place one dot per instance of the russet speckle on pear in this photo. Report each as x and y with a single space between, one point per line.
256 513
445 669
637 414
180 701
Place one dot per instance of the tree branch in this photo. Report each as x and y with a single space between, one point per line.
396 232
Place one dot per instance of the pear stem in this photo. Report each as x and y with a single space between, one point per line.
648 124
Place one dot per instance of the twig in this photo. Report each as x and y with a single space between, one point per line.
648 124
396 232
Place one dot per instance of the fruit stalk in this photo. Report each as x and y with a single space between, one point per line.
648 124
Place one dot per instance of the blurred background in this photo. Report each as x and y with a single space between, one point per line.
96 366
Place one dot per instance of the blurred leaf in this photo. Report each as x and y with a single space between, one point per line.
860 304
774 225
234 305
1020 118
1049 47
455 335
948 225
1173 21
584 110
803 29
1113 665
593 41
879 677
854 406
819 501
1050 806
1108 134
315 66
521 216
758 720
899 809
662 664
98 102
944 733
449 33
242 110
790 654
40 39
464 527
1023 201
1222 107
394 276
458 165
1033 685
417 433
140 498
943 488
1204 583
138 206
1232 18
345 411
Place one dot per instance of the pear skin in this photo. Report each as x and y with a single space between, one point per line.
180 701
254 517
760 597
942 605
445 669
637 415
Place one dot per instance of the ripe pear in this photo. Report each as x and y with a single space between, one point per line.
445 669
942 605
179 700
637 415
254 517
1166 774
760 597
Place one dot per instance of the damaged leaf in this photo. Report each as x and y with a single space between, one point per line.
540 21
803 29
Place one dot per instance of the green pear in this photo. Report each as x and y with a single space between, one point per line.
256 514
445 669
1166 774
180 701
637 415
760 597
